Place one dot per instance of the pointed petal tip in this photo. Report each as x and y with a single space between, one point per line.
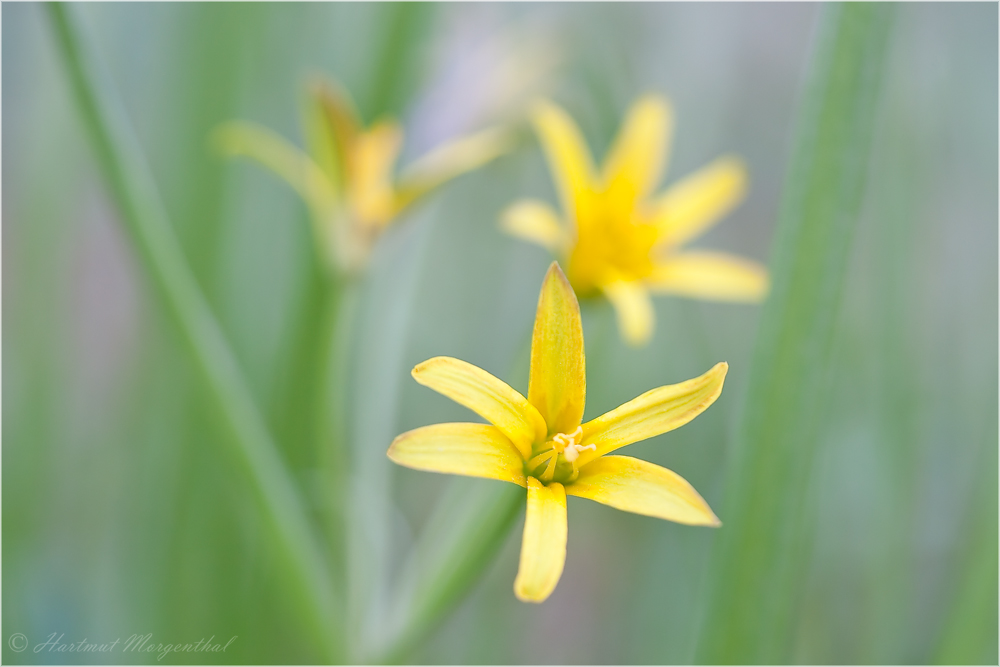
391 452
555 272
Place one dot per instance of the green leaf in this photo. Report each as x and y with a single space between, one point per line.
759 560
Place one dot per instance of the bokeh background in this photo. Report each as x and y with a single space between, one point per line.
121 514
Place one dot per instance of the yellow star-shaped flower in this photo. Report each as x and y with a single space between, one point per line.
347 176
540 443
618 239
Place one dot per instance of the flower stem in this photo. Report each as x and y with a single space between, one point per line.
161 257
331 410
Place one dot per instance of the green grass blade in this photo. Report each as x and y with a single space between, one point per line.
160 255
470 525
969 635
758 563
395 68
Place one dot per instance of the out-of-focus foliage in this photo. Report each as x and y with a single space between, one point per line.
121 516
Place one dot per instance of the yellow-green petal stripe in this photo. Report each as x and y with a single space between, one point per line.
543 547
641 487
655 412
473 450
489 397
557 386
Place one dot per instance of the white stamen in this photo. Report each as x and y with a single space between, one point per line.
572 452
566 444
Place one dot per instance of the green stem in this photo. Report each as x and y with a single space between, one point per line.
760 556
332 411
133 189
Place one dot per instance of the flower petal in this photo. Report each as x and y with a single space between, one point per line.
711 275
543 547
638 486
489 397
331 124
698 201
339 114
636 160
655 412
474 450
240 138
450 160
535 221
567 153
557 385
634 310
370 177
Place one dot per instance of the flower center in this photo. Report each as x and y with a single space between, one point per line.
562 449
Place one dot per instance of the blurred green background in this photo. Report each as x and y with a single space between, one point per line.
121 514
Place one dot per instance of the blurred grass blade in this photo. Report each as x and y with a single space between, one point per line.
758 563
471 522
970 633
394 72
161 256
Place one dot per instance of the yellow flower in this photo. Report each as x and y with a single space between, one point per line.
620 240
347 177
539 442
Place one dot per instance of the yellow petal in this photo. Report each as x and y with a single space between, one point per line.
474 450
710 275
638 486
557 385
639 153
696 202
341 118
634 310
535 221
240 138
451 160
569 159
491 398
326 150
543 547
369 176
655 412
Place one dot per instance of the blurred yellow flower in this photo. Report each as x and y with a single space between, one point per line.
346 177
617 238
539 442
